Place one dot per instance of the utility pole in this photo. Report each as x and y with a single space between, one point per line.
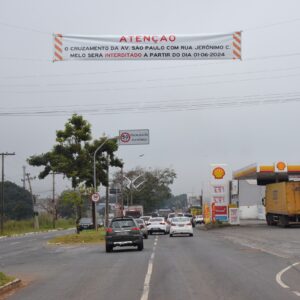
107 192
54 208
2 190
122 196
24 178
36 217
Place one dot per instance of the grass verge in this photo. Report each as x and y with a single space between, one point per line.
5 279
85 237
45 223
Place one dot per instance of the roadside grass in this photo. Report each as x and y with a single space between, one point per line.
84 237
5 279
12 227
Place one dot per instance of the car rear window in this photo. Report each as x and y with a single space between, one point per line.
157 220
181 219
139 221
122 223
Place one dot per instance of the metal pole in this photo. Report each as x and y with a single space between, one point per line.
2 195
95 182
53 199
122 196
107 193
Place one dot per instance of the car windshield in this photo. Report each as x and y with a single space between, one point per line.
122 223
139 221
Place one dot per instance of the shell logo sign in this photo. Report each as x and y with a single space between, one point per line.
281 166
218 173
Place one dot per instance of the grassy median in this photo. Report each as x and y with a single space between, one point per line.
84 237
19 227
5 279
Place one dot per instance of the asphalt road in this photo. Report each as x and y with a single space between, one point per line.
206 266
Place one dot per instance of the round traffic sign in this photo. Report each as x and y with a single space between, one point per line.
125 137
95 197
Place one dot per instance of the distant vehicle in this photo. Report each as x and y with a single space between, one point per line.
170 216
123 232
164 212
191 218
158 224
134 211
87 223
143 227
145 218
199 219
181 225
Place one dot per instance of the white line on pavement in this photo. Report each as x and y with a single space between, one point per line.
149 273
296 293
279 274
14 243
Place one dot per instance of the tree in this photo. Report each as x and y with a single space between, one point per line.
73 153
154 189
18 202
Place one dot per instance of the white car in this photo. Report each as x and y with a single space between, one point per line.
158 224
145 218
199 219
181 225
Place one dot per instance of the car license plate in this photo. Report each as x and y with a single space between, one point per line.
181 225
122 233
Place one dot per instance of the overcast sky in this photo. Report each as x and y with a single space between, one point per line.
186 140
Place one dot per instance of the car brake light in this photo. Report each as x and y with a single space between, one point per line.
109 230
135 228
172 224
163 223
189 224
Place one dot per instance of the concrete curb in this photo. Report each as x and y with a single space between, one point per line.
9 286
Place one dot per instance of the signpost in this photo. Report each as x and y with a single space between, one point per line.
134 137
95 197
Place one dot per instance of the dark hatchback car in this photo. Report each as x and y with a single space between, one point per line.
87 223
123 232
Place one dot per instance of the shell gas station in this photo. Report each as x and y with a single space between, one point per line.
267 174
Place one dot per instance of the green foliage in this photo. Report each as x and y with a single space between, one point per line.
73 154
155 190
85 237
176 202
17 202
45 222
5 279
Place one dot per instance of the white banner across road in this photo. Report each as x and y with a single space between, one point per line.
148 47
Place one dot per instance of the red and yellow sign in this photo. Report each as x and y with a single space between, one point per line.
281 166
218 173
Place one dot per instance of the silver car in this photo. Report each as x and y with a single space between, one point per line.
141 223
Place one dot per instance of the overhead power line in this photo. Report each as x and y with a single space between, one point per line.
161 106
115 89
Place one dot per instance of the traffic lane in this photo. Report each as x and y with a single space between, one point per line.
85 272
25 247
204 266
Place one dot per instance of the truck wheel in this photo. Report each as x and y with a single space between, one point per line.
284 221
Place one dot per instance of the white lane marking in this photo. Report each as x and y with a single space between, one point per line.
149 273
279 274
296 293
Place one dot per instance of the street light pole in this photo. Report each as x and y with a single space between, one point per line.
95 182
